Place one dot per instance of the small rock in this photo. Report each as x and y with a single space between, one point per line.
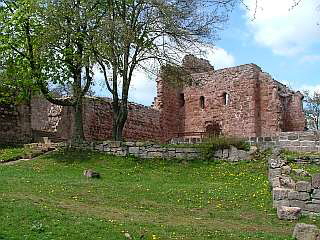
286 170
304 231
91 174
288 213
276 162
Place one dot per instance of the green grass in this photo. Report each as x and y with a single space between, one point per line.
49 198
11 152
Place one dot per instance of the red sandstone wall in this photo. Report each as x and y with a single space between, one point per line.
281 108
171 108
143 122
238 117
15 124
295 120
270 106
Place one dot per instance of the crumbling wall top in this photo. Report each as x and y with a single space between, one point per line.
193 64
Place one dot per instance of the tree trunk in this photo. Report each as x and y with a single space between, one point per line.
120 115
78 133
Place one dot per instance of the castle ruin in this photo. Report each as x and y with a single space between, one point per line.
240 101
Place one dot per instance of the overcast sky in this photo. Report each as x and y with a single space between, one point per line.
284 42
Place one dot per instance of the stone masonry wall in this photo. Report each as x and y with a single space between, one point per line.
308 141
15 124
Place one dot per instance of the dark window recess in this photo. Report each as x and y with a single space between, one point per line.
225 98
202 102
182 101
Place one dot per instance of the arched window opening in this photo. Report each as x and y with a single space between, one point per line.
202 102
182 101
225 98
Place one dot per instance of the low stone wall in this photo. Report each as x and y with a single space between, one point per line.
308 141
152 150
287 193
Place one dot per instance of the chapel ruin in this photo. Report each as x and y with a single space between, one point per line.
240 101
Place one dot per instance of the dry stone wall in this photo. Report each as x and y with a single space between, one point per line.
152 150
15 124
289 195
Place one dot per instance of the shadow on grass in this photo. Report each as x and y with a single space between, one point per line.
71 156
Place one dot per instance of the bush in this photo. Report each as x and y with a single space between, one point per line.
212 144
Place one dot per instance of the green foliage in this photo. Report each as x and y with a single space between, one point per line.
49 198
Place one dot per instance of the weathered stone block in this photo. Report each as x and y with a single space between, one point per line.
313 207
286 170
316 201
180 155
316 181
287 182
294 195
225 153
276 162
279 203
288 213
155 155
316 193
280 193
180 150
297 203
275 182
273 173
218 154
293 137
129 144
133 150
304 231
303 186
115 144
307 137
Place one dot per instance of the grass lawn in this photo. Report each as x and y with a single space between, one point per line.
10 152
49 198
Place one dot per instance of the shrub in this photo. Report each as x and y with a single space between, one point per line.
212 144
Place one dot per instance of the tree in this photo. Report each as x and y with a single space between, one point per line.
137 31
50 41
312 109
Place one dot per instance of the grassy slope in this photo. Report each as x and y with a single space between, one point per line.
50 199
